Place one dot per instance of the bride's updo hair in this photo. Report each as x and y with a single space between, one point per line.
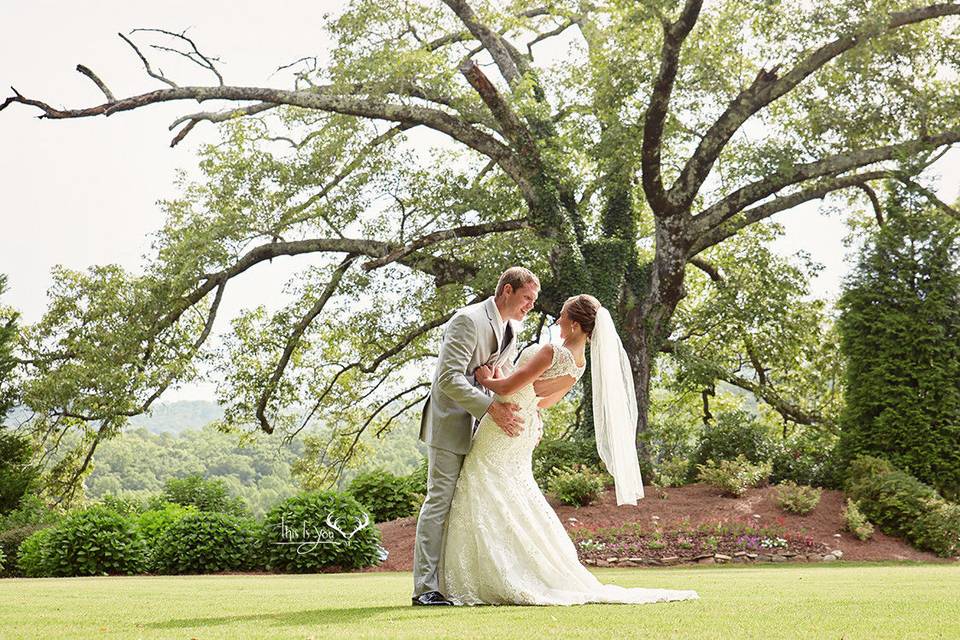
582 309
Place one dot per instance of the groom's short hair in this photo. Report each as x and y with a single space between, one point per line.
516 277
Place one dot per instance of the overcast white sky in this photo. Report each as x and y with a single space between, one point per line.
83 192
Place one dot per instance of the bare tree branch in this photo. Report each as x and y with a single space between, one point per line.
150 72
320 99
204 61
97 81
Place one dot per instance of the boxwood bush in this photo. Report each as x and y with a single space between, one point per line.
206 542
901 505
386 496
297 538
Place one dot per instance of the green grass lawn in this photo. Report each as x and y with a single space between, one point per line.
842 600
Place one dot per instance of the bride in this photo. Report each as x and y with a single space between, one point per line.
504 543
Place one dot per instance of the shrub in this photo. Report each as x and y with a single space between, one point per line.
10 541
206 542
31 515
124 505
205 495
560 454
297 536
673 472
95 541
33 560
734 477
797 498
856 522
808 458
576 486
736 433
31 511
939 529
17 473
901 505
386 496
155 522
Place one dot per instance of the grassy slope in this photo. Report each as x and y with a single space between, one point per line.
771 601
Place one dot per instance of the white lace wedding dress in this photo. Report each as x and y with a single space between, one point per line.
504 543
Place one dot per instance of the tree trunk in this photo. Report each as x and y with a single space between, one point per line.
657 289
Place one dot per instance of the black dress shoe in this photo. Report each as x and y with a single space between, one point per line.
431 598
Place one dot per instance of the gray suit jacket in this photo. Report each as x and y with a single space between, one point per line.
472 338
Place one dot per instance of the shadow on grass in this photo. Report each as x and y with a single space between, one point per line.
298 618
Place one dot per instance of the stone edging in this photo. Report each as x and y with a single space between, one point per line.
718 558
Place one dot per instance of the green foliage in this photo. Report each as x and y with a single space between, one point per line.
204 494
736 433
577 486
673 472
734 477
33 559
94 541
298 537
256 469
560 454
855 522
900 327
797 498
154 522
17 472
124 505
31 515
31 510
899 504
384 495
8 337
808 457
207 542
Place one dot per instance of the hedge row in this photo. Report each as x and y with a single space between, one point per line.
306 533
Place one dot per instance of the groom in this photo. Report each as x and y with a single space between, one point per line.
478 334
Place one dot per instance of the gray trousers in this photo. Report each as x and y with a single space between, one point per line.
443 469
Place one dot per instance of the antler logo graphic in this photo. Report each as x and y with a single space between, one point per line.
334 523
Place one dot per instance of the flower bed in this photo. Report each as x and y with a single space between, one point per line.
635 544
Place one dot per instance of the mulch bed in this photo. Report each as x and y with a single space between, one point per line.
693 505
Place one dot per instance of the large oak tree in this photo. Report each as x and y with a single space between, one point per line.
664 132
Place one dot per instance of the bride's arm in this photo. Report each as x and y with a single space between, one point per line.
554 398
530 371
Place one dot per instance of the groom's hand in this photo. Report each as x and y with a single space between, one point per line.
505 415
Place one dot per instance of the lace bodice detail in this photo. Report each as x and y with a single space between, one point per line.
563 363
